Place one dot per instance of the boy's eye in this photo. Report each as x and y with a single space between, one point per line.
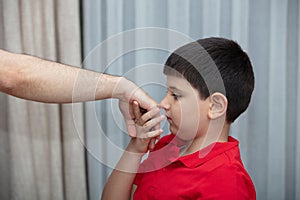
175 96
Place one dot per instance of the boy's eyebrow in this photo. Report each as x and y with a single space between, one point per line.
174 88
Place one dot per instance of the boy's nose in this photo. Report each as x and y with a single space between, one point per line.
164 104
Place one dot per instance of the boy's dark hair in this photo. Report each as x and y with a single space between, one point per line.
215 65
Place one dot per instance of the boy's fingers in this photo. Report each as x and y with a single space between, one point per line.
154 134
153 122
151 135
151 114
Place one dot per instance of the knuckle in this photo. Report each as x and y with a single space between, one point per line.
147 135
144 117
145 126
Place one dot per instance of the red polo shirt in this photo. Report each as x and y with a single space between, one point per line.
215 172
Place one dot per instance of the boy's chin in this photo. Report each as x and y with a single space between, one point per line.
183 137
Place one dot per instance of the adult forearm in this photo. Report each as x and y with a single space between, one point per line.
36 79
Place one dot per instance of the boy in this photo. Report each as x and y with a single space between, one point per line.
210 83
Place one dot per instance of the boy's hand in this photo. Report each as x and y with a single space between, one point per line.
144 124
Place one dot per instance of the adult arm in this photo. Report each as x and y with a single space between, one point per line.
32 78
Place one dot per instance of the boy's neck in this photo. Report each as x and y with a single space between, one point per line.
213 135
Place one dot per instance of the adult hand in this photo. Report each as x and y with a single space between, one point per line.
127 92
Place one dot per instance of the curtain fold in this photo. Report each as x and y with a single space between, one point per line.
42 156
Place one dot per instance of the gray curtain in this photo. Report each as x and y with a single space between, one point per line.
268 30
41 156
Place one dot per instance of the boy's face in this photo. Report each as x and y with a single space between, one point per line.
185 111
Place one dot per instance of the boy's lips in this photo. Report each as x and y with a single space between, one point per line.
169 119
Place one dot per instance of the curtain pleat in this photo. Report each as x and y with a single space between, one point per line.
42 156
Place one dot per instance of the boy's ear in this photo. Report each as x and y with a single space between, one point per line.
218 105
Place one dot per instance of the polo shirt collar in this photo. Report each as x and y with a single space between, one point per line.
198 158
167 150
